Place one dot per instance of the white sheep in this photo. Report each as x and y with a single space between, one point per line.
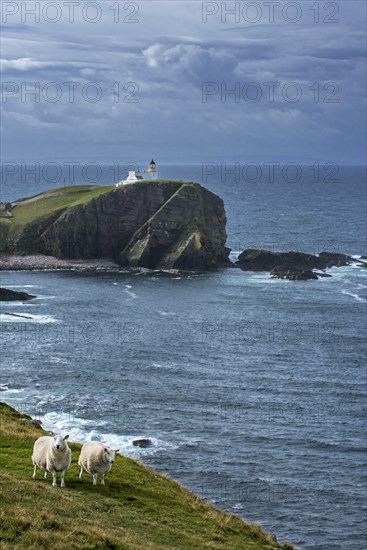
96 458
51 454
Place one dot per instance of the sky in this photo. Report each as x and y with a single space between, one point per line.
183 81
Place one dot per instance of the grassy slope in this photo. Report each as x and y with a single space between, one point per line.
136 509
46 205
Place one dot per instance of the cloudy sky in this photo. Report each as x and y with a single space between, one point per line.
183 81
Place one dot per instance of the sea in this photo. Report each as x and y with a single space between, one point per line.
251 389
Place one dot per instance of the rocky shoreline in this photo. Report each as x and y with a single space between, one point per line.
294 266
34 262
50 263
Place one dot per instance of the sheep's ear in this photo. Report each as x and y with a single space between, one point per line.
117 450
66 437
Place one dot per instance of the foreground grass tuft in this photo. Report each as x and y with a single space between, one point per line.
136 509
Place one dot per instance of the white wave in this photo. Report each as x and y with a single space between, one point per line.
129 292
22 286
82 430
61 422
61 360
125 444
233 255
355 296
165 366
22 317
5 390
165 313
20 304
263 277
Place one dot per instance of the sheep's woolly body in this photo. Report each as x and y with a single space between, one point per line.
95 458
47 457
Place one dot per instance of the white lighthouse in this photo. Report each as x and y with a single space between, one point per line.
134 176
152 167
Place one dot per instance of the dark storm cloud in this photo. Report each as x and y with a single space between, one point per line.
166 59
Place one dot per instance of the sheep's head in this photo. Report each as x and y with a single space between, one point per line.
60 442
109 454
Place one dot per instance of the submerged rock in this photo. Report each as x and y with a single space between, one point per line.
143 443
7 295
293 274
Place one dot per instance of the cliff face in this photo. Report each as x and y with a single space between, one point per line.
158 225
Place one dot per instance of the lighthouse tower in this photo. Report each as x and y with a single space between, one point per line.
152 169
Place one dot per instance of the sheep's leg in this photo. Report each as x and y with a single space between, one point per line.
54 481
45 476
35 472
62 479
81 471
94 479
102 479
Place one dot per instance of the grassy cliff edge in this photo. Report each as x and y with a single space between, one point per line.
137 508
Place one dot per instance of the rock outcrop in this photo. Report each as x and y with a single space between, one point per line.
295 266
157 224
143 443
333 259
263 260
293 274
7 295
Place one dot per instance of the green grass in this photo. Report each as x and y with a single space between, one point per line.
67 189
49 204
71 196
136 509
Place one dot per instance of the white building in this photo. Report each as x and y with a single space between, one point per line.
133 176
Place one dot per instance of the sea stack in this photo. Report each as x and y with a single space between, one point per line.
157 224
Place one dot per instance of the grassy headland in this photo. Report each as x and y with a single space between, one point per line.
44 205
136 509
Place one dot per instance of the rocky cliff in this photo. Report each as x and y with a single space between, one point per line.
155 224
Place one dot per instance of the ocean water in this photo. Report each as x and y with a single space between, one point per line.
253 390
